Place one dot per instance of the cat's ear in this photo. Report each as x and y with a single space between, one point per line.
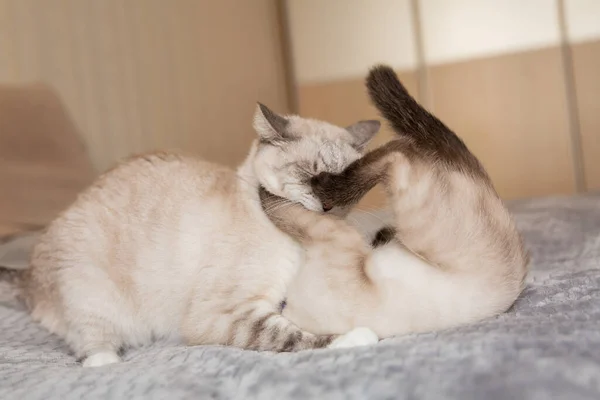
363 132
270 126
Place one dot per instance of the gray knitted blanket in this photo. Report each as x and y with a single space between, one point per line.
546 347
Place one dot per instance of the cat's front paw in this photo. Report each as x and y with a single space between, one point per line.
101 358
356 337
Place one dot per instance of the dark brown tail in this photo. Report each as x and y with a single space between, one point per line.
409 119
395 104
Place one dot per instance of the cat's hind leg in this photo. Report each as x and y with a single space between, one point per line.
97 322
95 341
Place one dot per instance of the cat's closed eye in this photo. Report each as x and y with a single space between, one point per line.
304 174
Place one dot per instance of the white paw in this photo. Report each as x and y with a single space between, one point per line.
101 358
356 337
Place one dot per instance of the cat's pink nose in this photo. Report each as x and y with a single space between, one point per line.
327 207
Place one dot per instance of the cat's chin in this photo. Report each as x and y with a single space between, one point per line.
318 209
339 212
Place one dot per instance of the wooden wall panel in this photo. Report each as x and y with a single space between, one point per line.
511 111
586 68
142 74
345 102
507 92
335 40
461 30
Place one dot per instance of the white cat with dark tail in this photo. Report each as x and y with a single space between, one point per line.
166 245
454 256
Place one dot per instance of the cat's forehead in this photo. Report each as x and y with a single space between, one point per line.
319 143
326 155
320 131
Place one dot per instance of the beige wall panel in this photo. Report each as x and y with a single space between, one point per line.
583 20
511 111
142 74
341 39
345 102
586 67
456 30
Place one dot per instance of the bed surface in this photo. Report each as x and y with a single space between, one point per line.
547 346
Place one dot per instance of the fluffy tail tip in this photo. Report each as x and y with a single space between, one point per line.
382 81
381 71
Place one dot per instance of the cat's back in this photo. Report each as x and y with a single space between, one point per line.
135 238
152 173
144 193
145 203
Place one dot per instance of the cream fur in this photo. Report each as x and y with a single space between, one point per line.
456 256
170 246
473 263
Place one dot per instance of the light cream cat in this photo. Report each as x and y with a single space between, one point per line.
169 246
466 259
